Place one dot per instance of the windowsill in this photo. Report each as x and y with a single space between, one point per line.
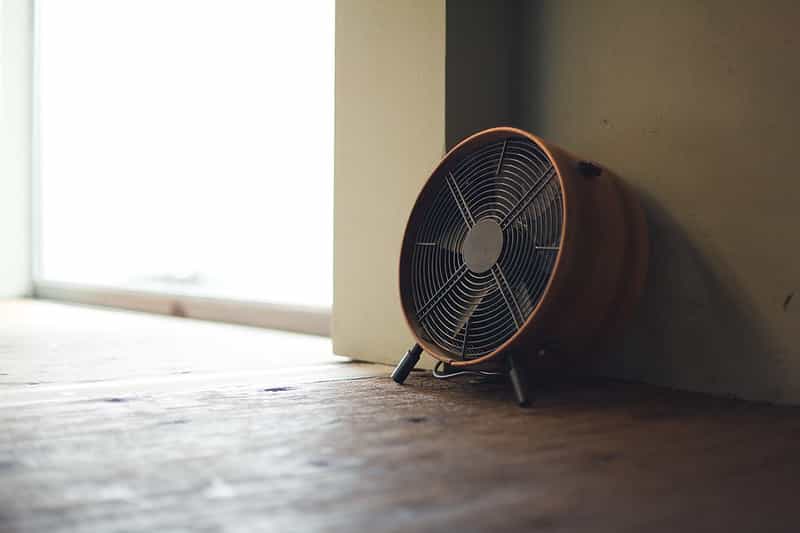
300 319
53 350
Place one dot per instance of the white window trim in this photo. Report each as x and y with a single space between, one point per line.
301 319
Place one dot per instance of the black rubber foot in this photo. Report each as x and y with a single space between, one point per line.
519 381
407 364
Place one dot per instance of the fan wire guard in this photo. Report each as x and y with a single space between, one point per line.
466 311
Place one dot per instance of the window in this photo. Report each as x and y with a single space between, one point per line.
185 147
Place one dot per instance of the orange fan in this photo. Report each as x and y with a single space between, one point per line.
514 245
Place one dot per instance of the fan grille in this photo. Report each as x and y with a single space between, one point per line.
466 312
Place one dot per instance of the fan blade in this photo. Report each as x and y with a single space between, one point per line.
448 238
451 282
464 323
452 240
508 295
502 156
472 306
523 298
496 193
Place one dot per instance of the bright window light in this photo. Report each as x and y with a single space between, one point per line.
186 146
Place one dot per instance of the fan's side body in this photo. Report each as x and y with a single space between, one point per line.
514 245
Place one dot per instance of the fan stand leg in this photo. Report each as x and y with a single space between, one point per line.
519 381
407 363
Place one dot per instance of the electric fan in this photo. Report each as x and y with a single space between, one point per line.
514 249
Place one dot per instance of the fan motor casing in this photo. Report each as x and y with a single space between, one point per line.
599 269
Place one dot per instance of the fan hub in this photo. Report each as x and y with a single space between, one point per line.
483 245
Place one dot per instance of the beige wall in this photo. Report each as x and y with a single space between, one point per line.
480 66
390 68
696 104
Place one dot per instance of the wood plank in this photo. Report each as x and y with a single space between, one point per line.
356 452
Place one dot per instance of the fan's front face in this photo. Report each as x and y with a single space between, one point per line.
481 246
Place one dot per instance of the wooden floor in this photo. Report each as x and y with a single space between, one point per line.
116 421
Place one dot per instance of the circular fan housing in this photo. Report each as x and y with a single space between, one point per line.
513 244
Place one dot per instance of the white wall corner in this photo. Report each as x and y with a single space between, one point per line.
16 68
